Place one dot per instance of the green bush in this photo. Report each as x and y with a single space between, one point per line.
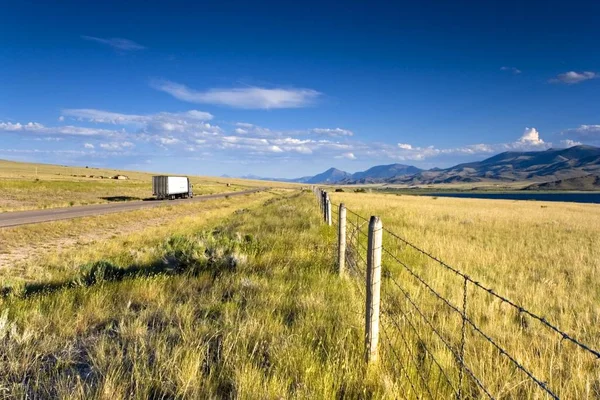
97 272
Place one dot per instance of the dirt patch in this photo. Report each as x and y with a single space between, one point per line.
13 256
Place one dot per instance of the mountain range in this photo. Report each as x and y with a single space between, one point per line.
545 166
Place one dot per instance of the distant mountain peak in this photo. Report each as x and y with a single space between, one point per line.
546 165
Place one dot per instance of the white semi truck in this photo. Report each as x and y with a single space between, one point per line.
172 187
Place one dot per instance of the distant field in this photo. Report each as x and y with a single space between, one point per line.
542 255
34 186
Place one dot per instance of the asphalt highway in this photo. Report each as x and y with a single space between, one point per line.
18 218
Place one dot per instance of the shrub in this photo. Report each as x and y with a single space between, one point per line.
97 272
338 190
360 190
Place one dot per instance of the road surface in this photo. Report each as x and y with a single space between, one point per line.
17 218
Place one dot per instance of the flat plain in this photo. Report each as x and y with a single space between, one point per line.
26 186
240 298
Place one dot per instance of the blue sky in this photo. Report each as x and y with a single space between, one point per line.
286 90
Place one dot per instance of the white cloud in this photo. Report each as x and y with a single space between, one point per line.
249 98
573 77
34 127
569 143
61 118
531 137
116 146
108 117
116 43
529 140
513 70
349 156
89 146
332 132
584 132
589 134
15 127
169 140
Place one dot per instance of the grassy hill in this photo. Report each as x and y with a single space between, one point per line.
26 186
588 182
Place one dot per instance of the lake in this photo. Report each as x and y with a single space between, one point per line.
581 197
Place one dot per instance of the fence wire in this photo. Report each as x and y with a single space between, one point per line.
397 319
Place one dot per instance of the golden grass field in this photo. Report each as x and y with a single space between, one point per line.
239 298
544 256
26 186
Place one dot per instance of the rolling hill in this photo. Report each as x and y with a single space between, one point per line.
545 166
549 165
588 182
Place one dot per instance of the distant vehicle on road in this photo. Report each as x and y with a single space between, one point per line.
172 187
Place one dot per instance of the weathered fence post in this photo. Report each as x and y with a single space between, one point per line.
324 206
342 240
373 288
328 211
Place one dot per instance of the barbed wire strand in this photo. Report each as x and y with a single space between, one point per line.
504 299
411 356
503 352
521 309
410 353
441 337
415 330
400 363
357 215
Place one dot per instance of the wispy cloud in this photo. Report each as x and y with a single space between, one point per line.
108 117
349 156
116 43
584 133
572 77
116 146
332 132
247 98
512 70
528 141
34 127
569 143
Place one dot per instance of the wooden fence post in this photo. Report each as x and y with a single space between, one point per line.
328 211
324 206
373 288
342 240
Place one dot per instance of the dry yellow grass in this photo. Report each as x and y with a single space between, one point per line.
48 251
172 316
246 309
544 256
27 186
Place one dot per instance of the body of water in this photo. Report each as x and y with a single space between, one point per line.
591 197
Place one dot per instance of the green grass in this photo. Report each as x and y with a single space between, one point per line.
249 305
250 308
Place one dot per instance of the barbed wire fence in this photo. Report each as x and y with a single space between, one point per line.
429 333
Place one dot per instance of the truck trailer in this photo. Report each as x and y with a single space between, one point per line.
171 187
